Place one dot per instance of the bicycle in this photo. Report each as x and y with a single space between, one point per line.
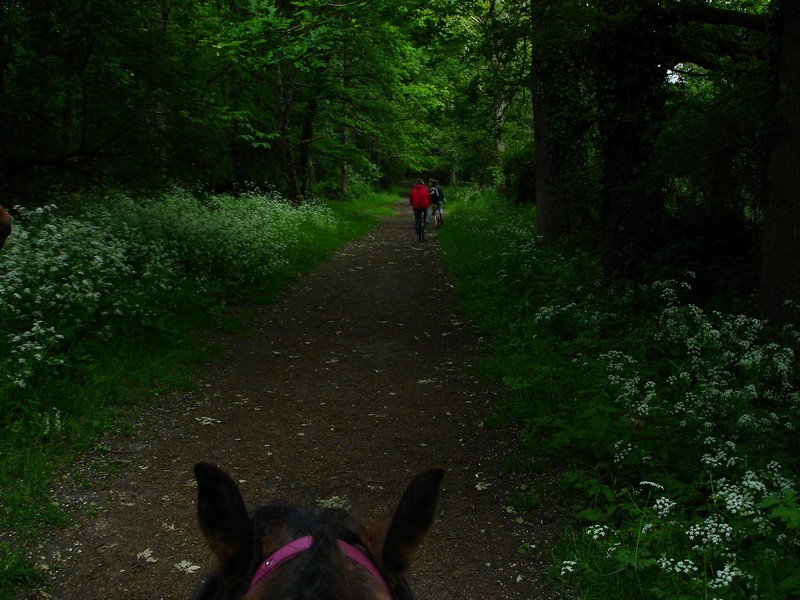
419 223
438 215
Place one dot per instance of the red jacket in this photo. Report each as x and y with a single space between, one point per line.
419 196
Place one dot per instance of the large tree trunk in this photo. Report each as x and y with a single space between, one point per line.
630 83
552 206
780 251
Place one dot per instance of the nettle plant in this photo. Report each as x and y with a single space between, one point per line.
704 503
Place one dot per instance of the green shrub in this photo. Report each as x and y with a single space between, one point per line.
675 428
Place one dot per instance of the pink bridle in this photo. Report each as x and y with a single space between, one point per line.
300 545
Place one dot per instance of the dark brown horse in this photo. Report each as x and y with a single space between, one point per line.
284 552
5 225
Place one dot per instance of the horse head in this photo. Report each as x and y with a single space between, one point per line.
286 552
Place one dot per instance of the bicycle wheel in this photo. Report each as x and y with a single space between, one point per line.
419 225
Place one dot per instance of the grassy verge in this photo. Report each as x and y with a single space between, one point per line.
675 427
101 303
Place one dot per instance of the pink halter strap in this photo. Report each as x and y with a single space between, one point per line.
300 545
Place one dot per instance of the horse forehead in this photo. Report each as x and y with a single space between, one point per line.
277 525
289 521
353 583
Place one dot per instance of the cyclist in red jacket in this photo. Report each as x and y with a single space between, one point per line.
420 200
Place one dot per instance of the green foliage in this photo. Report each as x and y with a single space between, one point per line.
96 91
15 568
350 74
676 428
122 262
711 145
102 302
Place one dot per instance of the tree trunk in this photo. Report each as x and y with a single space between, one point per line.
630 83
343 168
780 250
286 101
307 137
552 207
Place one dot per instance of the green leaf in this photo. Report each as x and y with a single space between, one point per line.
591 514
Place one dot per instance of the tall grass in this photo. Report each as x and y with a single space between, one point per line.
100 302
675 428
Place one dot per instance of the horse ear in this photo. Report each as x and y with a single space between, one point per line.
224 522
412 519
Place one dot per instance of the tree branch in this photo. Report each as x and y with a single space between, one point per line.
721 16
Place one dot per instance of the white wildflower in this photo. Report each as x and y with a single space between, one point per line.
663 506
597 531
657 486
568 566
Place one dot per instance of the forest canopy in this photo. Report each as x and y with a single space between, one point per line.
663 131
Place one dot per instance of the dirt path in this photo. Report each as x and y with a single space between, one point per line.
343 389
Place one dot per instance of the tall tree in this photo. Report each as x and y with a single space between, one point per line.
629 82
780 252
345 82
559 115
93 91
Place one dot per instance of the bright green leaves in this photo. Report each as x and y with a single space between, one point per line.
359 65
784 508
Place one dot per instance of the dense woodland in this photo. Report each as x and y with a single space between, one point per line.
623 218
664 130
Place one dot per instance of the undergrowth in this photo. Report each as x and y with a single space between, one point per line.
675 427
102 301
